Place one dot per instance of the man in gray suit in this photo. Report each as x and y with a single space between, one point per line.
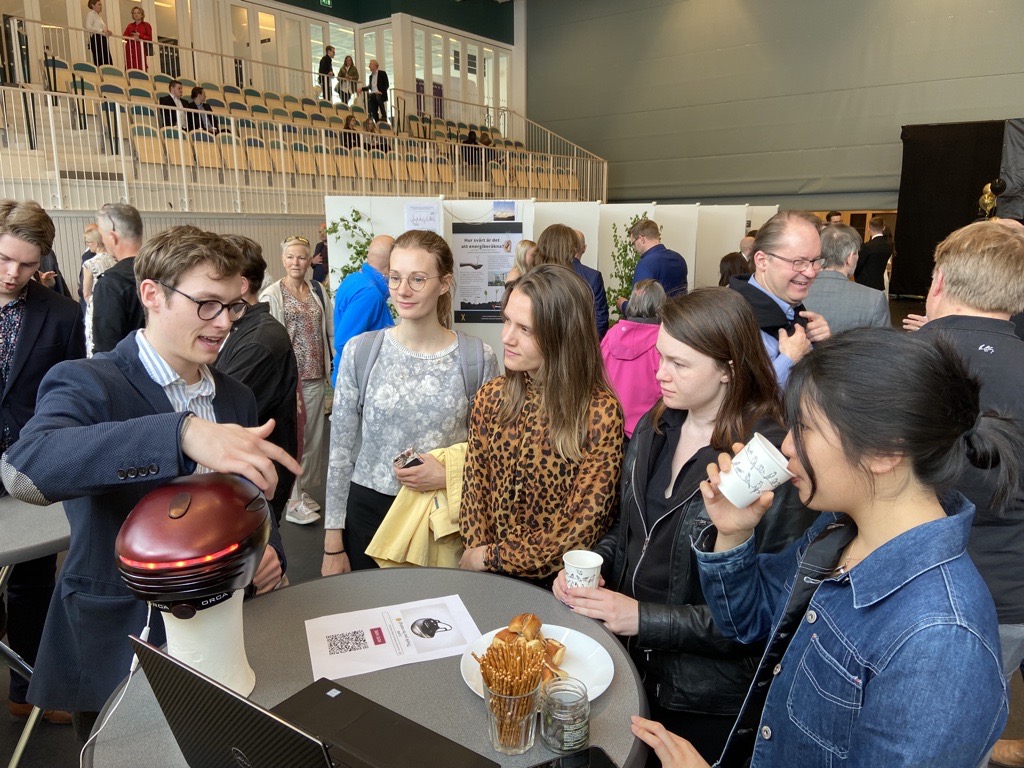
844 303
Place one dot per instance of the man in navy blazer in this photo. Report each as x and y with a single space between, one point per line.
596 282
110 429
39 328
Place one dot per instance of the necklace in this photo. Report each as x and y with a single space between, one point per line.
844 567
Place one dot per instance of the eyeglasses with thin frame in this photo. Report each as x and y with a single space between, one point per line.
210 309
416 282
799 265
105 212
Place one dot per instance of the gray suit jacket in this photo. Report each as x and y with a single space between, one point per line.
846 304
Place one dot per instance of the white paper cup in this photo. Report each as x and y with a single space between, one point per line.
582 568
757 468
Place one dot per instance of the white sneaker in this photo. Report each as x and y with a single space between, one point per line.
297 512
309 504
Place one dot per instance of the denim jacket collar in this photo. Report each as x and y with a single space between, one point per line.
912 553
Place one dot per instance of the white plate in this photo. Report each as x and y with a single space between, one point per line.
585 659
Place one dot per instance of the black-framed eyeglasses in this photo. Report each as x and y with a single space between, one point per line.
799 265
416 282
210 309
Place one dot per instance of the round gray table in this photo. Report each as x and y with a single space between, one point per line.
28 531
275 641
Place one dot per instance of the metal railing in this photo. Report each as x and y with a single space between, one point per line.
76 152
34 43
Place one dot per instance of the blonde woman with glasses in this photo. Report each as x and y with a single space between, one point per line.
412 397
299 305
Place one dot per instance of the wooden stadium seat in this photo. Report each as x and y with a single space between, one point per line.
308 104
139 77
325 107
358 111
397 166
414 126
178 150
258 156
282 156
238 109
232 93
346 166
440 135
115 75
81 71
217 105
336 122
146 144
299 117
142 94
113 91
498 178
212 89
289 102
187 83
245 126
444 170
281 115
305 163
414 167
232 152
381 166
325 161
58 74
252 96
364 168
272 100
206 149
143 114
161 81
259 111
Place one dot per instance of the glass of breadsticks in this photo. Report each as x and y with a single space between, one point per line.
511 676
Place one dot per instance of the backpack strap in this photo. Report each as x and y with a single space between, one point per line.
471 355
366 350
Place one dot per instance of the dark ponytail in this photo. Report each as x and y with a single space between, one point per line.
887 393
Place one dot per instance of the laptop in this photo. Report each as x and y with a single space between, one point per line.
325 725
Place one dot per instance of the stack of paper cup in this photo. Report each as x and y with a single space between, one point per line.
757 468
582 568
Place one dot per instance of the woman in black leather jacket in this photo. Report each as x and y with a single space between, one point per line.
651 595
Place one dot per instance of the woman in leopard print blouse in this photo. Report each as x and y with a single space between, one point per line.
545 439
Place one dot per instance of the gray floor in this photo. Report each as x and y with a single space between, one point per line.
56 747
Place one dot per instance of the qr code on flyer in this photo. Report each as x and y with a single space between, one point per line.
346 642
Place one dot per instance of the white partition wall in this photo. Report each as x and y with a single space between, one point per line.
759 214
719 231
679 232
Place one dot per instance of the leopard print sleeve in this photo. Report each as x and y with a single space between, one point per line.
477 481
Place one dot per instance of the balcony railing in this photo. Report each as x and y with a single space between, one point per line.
78 150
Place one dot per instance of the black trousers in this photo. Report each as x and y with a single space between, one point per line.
707 733
377 105
100 50
28 599
366 511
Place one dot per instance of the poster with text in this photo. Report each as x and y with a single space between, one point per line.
484 254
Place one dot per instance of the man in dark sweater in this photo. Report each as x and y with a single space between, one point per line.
258 353
978 283
116 309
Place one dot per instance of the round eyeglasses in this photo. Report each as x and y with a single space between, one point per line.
416 282
211 309
799 265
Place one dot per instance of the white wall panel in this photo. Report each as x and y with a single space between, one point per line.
679 232
719 229
586 217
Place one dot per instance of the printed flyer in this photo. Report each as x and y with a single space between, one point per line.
358 642
484 254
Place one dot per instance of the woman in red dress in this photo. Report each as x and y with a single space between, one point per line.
136 35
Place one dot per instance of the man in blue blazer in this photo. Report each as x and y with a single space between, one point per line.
108 430
39 328
596 282
656 261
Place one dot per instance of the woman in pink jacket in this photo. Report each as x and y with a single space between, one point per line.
629 354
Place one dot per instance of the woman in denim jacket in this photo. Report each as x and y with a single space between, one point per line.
883 647
694 677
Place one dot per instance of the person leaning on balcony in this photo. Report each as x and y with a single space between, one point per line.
98 33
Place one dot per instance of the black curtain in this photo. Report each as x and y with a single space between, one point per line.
944 169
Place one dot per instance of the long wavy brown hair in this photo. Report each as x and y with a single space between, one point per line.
719 323
572 371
